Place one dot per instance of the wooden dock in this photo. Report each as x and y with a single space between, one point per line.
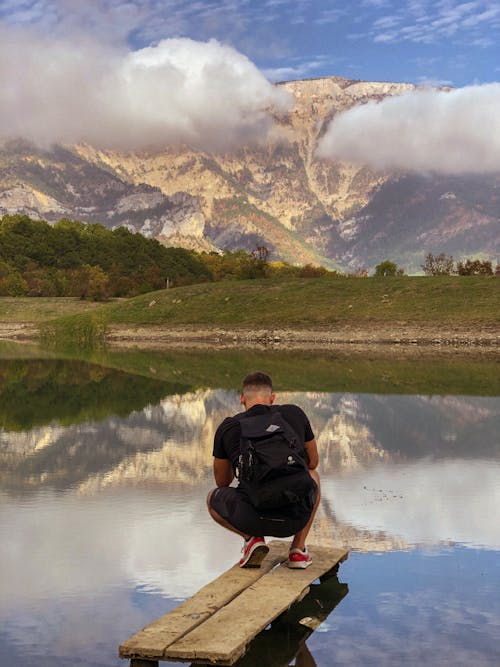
216 625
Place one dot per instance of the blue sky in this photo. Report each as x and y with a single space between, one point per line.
447 41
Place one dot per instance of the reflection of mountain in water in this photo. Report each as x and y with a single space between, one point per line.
172 440
359 429
366 443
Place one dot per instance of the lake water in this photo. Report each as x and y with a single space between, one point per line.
104 468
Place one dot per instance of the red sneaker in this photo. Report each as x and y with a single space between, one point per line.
298 559
254 551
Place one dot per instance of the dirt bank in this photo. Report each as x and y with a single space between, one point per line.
394 336
18 331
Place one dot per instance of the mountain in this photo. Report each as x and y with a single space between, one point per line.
279 194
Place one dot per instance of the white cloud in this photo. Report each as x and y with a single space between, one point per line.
329 16
451 132
300 70
385 22
432 82
181 91
423 22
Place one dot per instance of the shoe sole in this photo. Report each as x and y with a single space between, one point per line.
298 565
257 556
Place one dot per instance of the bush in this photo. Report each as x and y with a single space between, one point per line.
13 285
438 265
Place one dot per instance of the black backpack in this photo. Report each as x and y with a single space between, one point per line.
271 466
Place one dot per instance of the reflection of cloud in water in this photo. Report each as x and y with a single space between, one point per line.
425 502
82 554
91 561
416 608
428 625
105 559
84 545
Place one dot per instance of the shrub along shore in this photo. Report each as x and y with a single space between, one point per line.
302 312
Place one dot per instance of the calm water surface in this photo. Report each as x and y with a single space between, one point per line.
104 468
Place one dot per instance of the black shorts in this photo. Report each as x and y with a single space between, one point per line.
233 505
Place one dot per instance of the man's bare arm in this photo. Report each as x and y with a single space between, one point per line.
312 454
223 472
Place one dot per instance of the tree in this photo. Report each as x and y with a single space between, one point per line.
39 281
474 267
261 253
386 268
13 285
438 265
97 283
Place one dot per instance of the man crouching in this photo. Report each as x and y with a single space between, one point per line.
272 451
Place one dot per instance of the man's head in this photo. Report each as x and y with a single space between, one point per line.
257 388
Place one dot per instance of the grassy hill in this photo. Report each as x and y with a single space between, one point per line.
359 304
300 303
314 302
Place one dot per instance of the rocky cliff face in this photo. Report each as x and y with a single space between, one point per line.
279 194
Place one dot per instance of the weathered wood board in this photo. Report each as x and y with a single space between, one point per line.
152 640
223 638
216 624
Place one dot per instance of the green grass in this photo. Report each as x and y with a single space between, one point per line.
40 309
315 302
305 303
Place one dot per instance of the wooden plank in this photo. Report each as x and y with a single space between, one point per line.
283 642
152 640
223 638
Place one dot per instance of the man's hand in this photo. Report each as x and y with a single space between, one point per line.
223 472
312 454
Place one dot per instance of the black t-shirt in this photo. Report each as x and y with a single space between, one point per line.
227 436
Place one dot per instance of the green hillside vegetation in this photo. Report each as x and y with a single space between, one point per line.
302 304
91 262
87 260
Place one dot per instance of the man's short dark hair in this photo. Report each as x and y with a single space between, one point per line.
256 380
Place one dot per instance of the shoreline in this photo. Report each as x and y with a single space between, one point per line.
397 336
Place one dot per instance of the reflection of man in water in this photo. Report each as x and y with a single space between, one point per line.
231 506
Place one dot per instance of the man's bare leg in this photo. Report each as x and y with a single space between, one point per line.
222 522
299 539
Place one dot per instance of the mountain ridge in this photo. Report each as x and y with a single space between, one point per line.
279 193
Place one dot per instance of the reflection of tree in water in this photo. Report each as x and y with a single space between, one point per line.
40 391
49 411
